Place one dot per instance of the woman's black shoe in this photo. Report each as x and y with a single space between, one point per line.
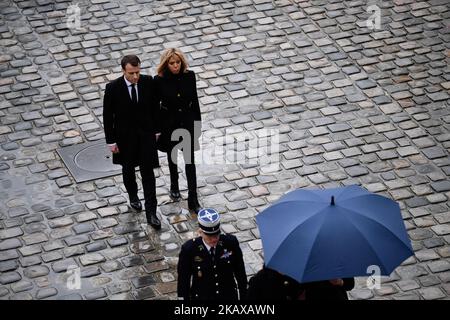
194 206
153 220
136 204
175 195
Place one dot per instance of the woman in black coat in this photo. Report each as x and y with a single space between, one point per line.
180 117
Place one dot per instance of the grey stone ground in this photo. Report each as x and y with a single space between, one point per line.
352 105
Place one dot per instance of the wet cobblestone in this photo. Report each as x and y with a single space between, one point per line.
352 105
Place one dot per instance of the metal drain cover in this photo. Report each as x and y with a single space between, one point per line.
89 161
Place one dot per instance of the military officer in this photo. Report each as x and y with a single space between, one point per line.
211 266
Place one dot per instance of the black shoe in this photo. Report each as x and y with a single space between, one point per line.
175 195
153 220
194 206
136 204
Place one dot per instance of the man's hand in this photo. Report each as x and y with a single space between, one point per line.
157 136
114 148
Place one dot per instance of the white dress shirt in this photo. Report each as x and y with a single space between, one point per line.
129 88
207 247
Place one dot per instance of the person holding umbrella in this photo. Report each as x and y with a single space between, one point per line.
335 289
271 285
314 235
211 266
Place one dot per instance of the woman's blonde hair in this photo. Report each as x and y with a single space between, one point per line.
165 57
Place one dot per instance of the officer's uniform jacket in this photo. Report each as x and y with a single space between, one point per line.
200 277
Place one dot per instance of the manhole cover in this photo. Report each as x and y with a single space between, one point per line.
94 159
89 161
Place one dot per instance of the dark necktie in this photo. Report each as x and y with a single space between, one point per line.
211 251
133 94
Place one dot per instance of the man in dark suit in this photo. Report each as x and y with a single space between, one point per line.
213 262
131 130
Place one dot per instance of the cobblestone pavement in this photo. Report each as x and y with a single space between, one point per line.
352 105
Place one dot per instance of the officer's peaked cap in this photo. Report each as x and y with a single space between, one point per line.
209 221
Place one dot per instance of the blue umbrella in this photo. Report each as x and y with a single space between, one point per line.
320 234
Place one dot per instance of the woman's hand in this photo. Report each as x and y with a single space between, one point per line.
114 148
337 282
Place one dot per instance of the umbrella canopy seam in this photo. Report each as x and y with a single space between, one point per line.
315 238
378 223
368 243
294 227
